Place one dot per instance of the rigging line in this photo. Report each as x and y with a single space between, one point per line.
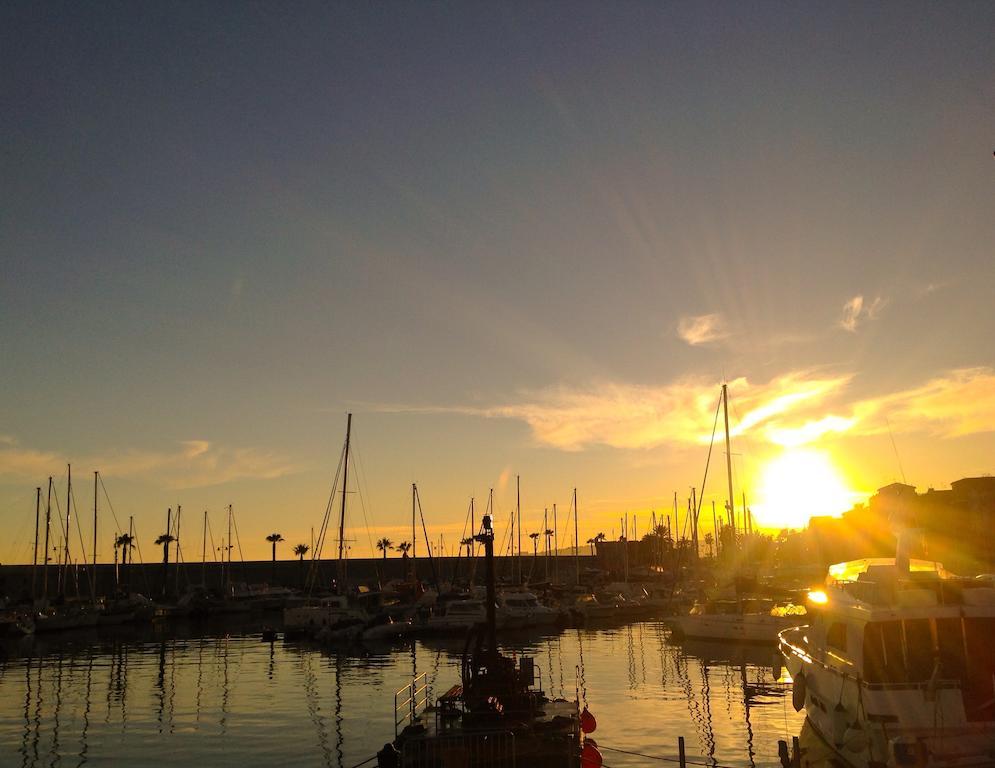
82 548
708 461
319 543
141 560
894 447
107 498
360 485
210 536
323 530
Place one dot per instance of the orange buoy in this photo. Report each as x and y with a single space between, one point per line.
590 756
588 724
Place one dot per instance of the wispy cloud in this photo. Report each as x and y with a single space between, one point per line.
191 464
957 403
856 310
702 329
795 409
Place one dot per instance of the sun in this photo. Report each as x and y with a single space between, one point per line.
800 484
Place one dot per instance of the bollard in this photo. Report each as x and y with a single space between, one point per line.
680 751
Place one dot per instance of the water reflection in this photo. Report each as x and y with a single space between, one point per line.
235 700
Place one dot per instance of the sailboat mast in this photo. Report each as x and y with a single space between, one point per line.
414 535
732 498
203 554
69 502
96 478
556 549
518 514
34 562
228 545
576 540
715 529
48 527
345 489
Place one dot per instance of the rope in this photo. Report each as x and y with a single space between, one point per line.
663 758
367 760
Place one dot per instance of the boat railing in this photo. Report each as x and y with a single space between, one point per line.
479 748
410 701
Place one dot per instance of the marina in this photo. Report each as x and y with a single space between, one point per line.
138 697
440 384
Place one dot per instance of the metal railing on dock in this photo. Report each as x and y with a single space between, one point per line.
416 700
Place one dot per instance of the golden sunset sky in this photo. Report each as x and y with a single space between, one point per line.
508 239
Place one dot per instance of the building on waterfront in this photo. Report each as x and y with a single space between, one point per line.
956 525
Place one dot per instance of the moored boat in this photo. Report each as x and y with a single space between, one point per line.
752 620
896 665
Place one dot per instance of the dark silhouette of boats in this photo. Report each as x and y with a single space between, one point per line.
496 716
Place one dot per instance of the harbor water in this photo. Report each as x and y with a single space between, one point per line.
188 696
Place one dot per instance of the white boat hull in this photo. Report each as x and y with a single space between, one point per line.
885 725
741 628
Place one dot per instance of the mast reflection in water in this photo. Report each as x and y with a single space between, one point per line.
239 701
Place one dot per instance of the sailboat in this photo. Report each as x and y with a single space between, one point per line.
735 619
330 612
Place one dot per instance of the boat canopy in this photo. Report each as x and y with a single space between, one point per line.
854 569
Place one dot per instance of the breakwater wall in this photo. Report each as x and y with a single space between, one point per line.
155 580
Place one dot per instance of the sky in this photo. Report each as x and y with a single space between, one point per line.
515 239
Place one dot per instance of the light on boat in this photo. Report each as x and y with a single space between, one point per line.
818 597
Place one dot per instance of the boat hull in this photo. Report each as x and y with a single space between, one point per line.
884 726
736 628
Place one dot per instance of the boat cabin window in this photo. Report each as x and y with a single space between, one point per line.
907 651
836 636
884 659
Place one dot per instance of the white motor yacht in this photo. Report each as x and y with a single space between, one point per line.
748 620
326 612
897 664
460 615
520 610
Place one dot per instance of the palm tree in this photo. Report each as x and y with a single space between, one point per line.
274 539
123 541
592 542
383 545
300 550
164 541
403 548
535 544
468 543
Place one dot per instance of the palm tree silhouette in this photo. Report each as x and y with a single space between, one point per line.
300 550
383 545
535 544
468 543
164 541
403 548
592 542
123 541
274 539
